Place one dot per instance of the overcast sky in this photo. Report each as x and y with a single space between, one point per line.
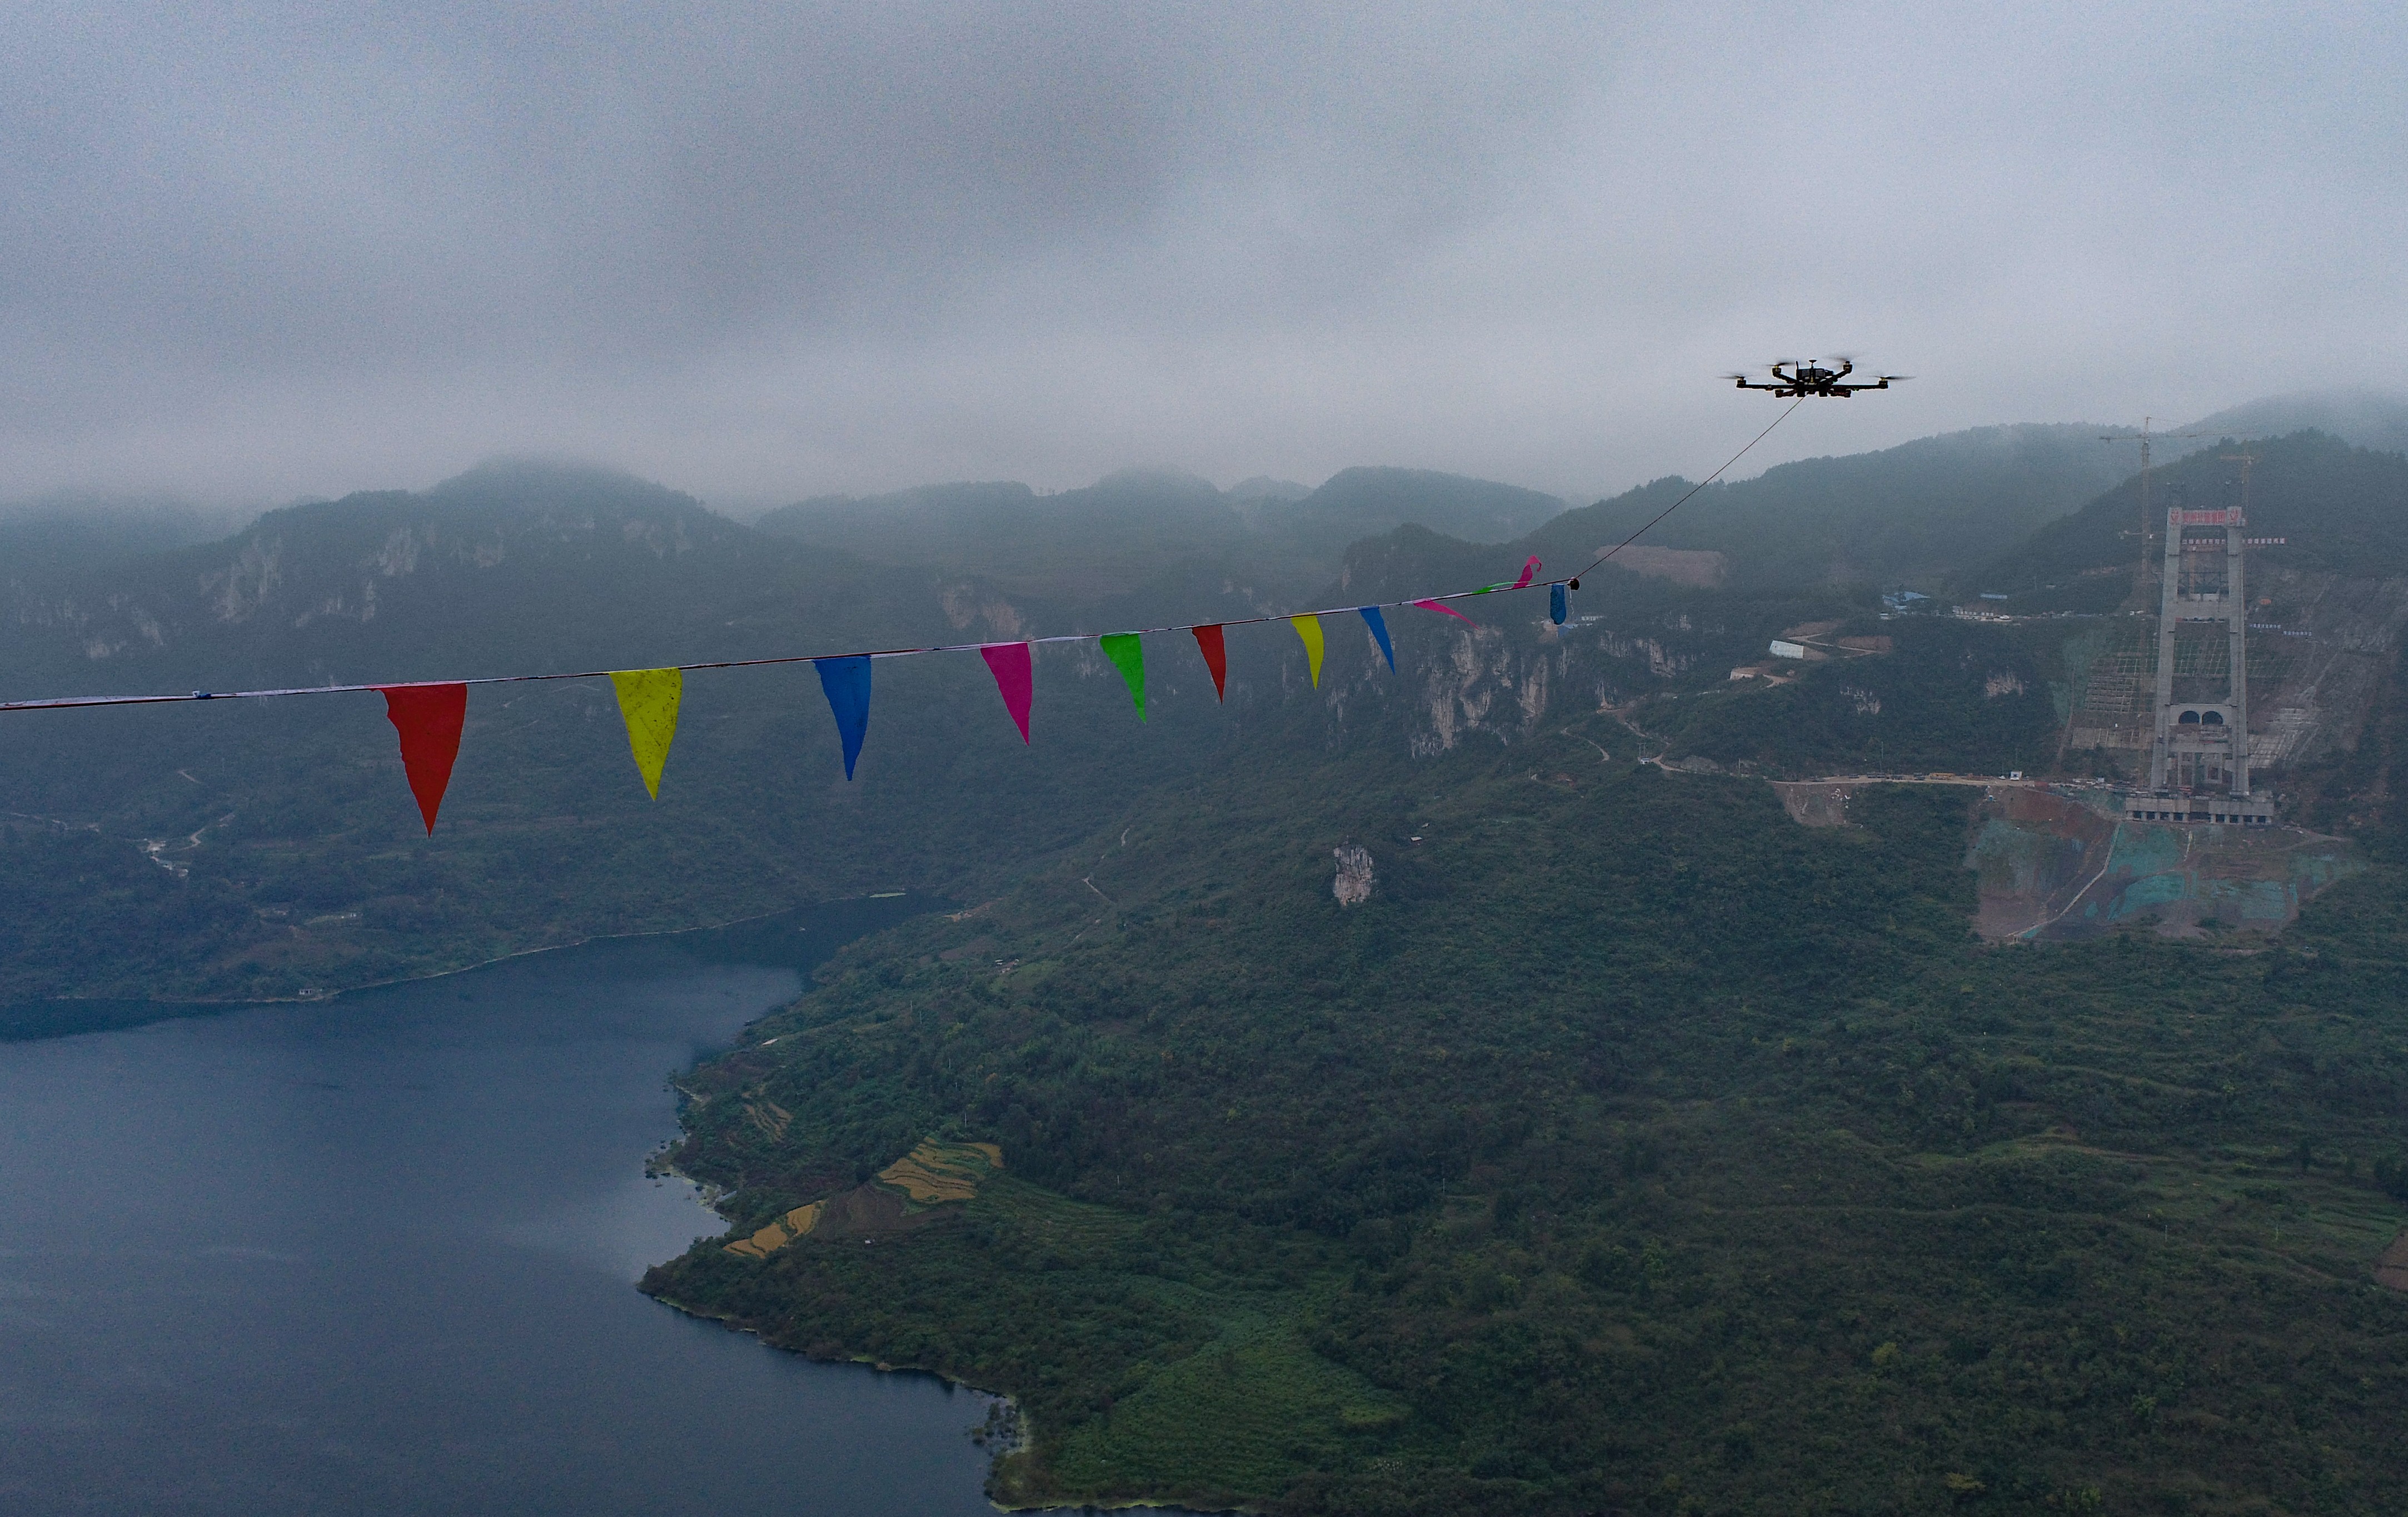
253 252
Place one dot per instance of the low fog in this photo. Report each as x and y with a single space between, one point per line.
760 253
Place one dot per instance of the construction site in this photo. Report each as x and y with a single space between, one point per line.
2226 669
2223 680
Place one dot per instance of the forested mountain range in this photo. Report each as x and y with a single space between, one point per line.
270 846
1608 1143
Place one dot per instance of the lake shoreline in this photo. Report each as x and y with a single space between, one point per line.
21 1022
395 1322
1023 1441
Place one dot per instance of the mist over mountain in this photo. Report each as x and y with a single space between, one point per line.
2361 417
1360 502
1263 488
67 533
1125 528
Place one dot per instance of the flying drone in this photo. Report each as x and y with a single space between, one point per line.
1793 379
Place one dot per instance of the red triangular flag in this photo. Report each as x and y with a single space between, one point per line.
1216 658
429 718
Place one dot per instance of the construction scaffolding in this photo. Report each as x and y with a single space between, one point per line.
2198 748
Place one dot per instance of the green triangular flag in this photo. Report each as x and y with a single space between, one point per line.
1124 649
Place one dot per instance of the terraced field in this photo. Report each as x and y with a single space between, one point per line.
936 1172
794 1224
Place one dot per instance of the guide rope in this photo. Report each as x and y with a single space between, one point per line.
1692 490
1427 602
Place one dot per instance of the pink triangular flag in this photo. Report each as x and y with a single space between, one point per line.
1528 569
1014 678
1443 609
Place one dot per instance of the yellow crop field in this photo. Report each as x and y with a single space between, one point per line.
935 1172
794 1224
930 1174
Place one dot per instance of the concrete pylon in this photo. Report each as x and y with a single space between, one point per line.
2215 731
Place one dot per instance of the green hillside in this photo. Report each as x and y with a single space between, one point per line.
1629 1147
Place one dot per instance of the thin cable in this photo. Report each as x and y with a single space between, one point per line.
73 702
76 702
1694 488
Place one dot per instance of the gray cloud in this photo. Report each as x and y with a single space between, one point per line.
761 253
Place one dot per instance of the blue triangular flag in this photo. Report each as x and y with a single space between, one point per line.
1379 630
847 683
1556 607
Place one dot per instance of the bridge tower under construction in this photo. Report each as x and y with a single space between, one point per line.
2198 754
2201 743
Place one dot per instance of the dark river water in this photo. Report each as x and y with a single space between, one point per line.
378 1255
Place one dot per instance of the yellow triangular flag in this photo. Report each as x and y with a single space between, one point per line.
1308 628
647 698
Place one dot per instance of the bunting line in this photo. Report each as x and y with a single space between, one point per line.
1433 603
1692 490
428 715
1200 629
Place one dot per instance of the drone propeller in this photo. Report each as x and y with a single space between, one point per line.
1893 378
